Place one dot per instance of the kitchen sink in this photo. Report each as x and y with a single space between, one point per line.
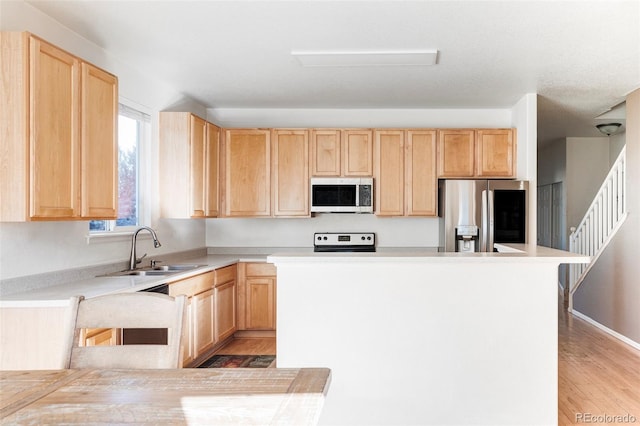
157 271
184 267
146 272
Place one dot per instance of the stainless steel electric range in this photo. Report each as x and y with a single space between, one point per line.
344 242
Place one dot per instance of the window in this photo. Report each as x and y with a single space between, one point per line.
133 134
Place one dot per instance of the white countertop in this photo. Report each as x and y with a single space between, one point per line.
59 295
507 253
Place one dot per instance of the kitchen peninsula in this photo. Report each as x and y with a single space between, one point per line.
437 338
32 322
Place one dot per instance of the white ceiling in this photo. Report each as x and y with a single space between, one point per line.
581 57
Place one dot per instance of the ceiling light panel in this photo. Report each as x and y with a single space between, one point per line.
366 58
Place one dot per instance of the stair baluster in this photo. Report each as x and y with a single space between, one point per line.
602 220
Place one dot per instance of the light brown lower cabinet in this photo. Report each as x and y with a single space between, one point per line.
188 336
256 296
225 296
199 333
260 303
100 337
204 316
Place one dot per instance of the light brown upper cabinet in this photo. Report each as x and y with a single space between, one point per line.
476 153
290 172
247 173
496 153
59 147
456 153
325 152
389 172
421 179
405 173
189 155
98 143
341 152
212 170
357 153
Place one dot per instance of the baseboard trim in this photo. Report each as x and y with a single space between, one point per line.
607 330
250 334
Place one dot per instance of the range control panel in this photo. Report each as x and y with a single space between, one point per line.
349 241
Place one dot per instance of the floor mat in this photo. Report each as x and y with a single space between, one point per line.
238 361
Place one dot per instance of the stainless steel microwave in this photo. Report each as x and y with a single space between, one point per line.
342 195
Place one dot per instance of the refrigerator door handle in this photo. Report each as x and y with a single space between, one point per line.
484 222
490 213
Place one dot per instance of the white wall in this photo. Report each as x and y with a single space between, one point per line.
265 232
616 143
587 166
552 160
31 248
525 119
344 118
581 164
391 232
610 293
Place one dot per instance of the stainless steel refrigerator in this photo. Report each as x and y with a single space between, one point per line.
476 214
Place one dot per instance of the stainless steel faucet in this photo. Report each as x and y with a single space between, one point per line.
133 260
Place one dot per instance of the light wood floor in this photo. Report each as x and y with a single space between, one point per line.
250 346
597 374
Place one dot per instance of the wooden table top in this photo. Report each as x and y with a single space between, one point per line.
181 396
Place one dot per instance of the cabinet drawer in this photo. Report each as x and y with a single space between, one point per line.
261 270
225 274
193 285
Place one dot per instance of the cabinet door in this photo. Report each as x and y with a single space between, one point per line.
421 179
203 307
456 153
290 172
189 164
189 287
495 153
260 307
325 153
225 297
99 143
54 131
188 334
357 153
389 172
247 173
197 166
14 139
212 153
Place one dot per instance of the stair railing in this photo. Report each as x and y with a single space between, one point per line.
604 217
